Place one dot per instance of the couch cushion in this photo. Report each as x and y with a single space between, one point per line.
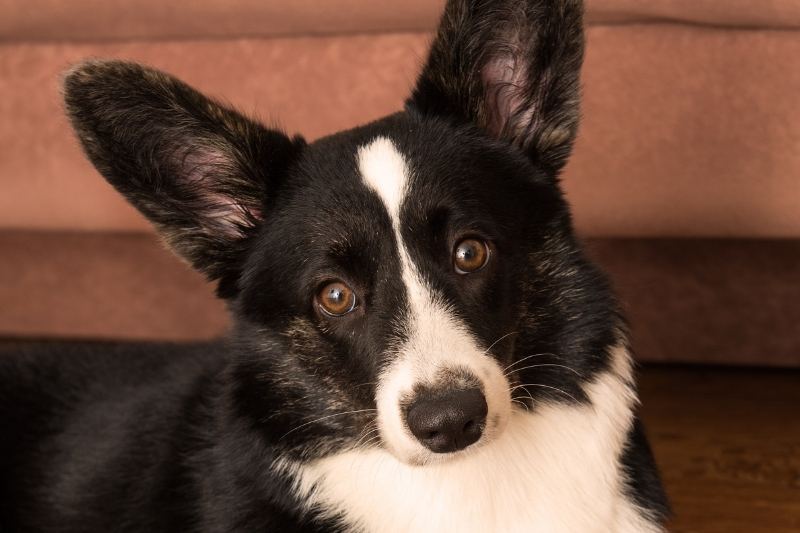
102 286
687 131
710 301
310 85
86 20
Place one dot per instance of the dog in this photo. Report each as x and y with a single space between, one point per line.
418 344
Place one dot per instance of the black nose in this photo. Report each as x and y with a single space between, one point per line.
448 422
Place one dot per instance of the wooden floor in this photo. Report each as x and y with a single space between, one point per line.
728 445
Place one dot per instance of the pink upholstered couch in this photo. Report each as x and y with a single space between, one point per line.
685 180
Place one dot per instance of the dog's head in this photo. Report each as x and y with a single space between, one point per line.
405 284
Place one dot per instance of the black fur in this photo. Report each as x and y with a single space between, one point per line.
111 437
644 483
184 438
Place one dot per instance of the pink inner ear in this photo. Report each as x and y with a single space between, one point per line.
224 216
212 178
505 83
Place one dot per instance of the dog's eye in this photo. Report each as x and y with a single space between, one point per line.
336 299
470 256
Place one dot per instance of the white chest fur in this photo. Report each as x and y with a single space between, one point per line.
553 470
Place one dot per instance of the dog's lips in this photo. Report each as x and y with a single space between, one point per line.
431 458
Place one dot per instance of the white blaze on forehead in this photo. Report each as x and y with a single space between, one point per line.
384 170
436 339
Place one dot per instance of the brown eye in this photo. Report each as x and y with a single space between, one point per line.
470 256
336 299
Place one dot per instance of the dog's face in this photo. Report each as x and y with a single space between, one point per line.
405 284
396 263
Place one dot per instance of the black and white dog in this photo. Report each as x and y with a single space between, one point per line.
419 343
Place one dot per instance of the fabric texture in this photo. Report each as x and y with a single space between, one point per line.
685 173
98 20
688 300
687 131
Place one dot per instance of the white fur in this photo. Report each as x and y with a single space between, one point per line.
551 471
437 341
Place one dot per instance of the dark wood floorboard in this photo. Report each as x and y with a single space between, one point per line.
728 444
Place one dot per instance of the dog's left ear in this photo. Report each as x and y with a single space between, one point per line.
200 171
511 67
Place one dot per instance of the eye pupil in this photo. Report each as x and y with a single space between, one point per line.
470 256
335 294
465 253
336 299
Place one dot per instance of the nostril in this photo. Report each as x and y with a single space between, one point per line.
449 421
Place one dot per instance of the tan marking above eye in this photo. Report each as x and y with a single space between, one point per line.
470 255
336 299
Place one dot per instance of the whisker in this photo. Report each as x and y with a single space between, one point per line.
530 396
325 418
371 441
528 357
545 364
367 434
520 402
524 387
498 340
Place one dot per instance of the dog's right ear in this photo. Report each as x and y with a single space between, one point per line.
201 172
512 68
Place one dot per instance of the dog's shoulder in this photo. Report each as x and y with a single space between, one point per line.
56 398
70 371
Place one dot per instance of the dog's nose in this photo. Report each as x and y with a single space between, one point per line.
448 422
